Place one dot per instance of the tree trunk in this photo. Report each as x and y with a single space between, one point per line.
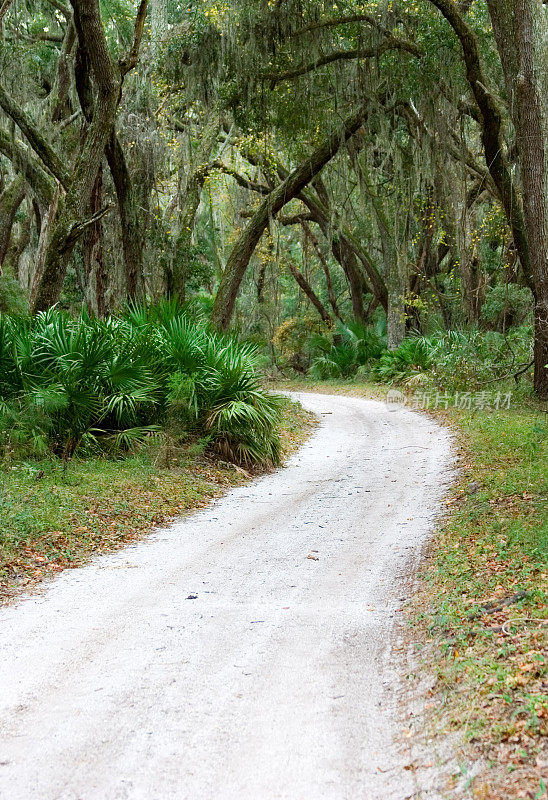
321 258
16 250
348 253
531 42
521 34
70 226
273 203
92 247
396 279
61 106
260 283
340 247
132 239
311 294
46 229
10 200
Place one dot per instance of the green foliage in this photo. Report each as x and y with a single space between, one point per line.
293 342
340 356
12 297
81 383
506 305
73 382
214 385
412 357
456 360
469 360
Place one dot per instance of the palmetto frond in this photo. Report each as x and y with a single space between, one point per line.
88 381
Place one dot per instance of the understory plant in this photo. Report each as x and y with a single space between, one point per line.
73 384
412 357
342 353
452 360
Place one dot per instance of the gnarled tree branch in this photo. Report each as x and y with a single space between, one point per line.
39 144
392 43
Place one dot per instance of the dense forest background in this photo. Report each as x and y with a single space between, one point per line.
352 186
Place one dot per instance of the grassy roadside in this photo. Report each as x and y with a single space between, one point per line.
482 607
52 519
480 615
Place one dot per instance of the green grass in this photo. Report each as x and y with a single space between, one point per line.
52 518
53 515
492 668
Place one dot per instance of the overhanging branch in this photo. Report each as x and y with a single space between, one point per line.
28 165
77 230
41 147
129 61
355 54
240 180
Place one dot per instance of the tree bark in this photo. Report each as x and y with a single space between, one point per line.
92 247
289 188
28 165
69 227
61 106
311 294
47 223
321 258
521 34
532 41
10 200
39 143
132 238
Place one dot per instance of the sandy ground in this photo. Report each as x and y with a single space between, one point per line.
244 652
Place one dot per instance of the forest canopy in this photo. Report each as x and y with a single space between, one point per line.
334 181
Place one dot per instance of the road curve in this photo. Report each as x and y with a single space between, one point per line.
276 681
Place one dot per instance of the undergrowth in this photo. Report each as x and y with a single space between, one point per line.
82 385
484 601
454 360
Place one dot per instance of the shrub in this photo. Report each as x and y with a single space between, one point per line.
412 357
73 382
339 356
293 342
70 383
456 360
467 361
507 305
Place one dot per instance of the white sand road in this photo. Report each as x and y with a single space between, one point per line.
277 680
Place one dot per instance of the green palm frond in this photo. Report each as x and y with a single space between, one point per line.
80 382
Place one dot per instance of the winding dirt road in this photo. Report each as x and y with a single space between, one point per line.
243 653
